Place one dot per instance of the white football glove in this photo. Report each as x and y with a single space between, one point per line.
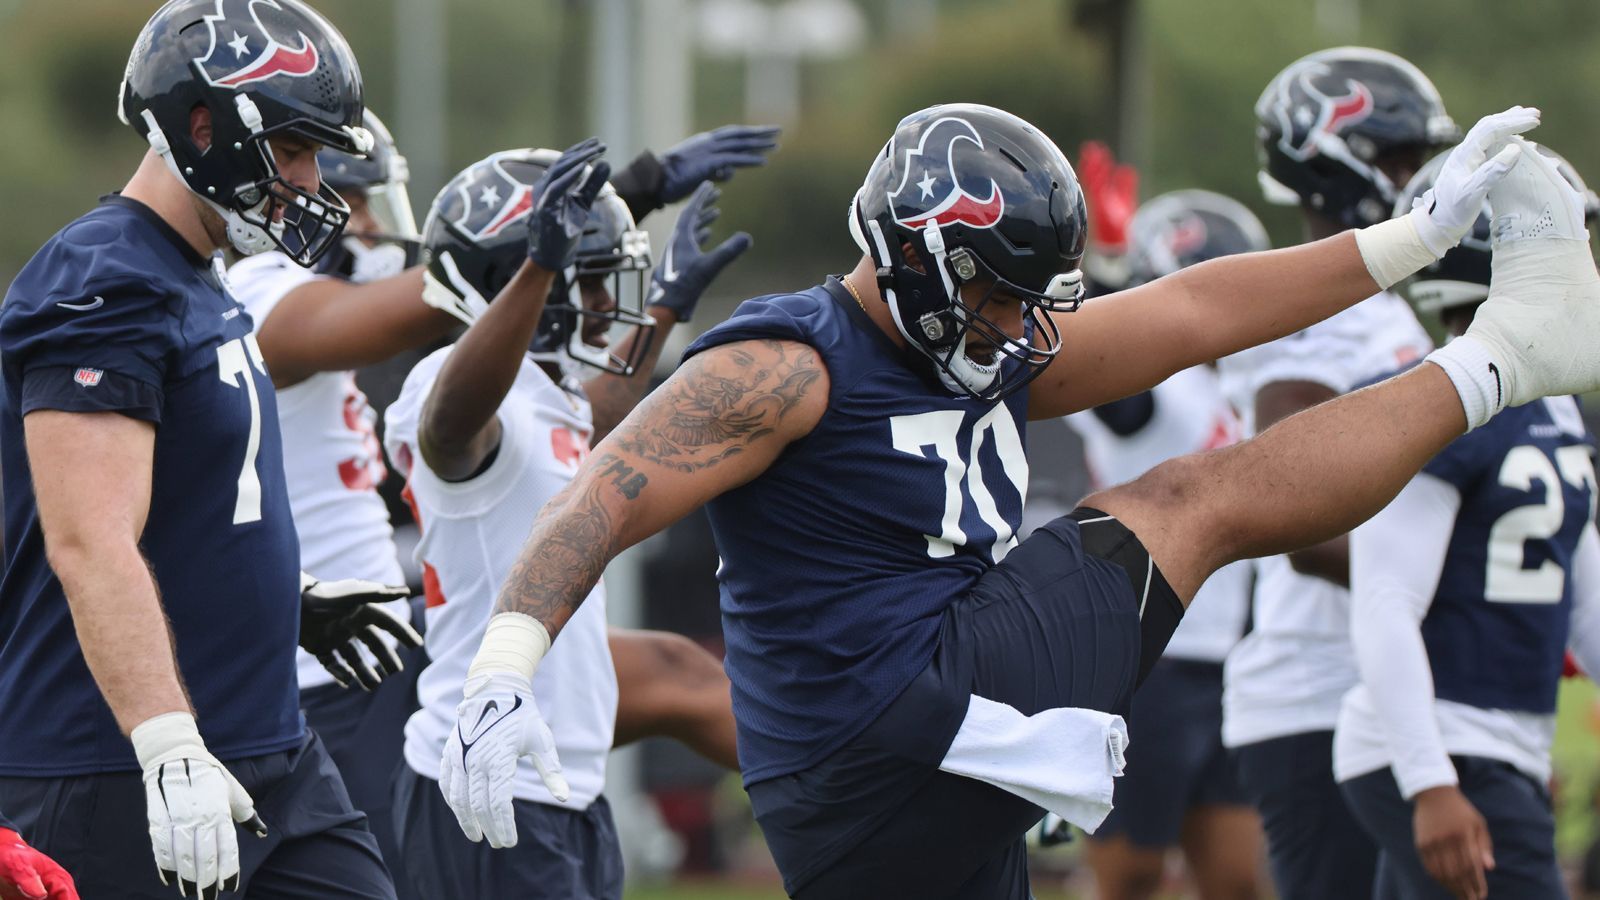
192 801
1538 334
1475 166
497 724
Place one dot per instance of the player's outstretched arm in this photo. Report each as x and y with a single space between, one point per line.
329 325
718 422
675 290
1133 340
458 429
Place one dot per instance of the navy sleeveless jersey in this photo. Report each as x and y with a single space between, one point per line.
839 560
1497 630
118 313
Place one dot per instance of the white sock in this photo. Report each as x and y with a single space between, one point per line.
1479 378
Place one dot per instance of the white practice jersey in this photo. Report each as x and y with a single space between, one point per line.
472 532
1191 415
331 459
1288 675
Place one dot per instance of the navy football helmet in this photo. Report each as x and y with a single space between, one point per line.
380 179
1324 124
983 198
1461 276
476 237
1179 229
262 68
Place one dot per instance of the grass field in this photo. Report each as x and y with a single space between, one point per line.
1577 763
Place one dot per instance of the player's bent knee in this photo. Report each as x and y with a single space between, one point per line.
1179 519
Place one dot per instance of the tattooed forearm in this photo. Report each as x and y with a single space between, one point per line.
571 543
714 409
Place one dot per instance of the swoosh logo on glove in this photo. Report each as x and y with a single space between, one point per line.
479 729
670 272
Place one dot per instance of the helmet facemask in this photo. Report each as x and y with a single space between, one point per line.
940 331
266 212
620 271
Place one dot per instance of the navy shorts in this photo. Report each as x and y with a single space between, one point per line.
1315 848
561 854
1521 828
317 845
1175 758
1056 624
364 732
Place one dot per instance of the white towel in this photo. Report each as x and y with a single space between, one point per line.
1064 760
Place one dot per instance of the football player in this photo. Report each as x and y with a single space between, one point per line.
27 874
1466 591
913 687
489 430
152 573
1338 132
1180 788
362 303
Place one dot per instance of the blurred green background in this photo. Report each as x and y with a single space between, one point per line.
531 72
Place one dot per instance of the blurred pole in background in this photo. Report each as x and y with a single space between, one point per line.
642 71
421 45
1131 91
666 74
611 59
1117 26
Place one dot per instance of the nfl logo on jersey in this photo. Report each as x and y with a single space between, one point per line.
88 377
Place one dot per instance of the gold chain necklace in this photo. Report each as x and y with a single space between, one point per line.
852 289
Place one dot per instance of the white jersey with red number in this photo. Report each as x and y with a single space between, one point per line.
331 459
472 532
1191 415
1290 672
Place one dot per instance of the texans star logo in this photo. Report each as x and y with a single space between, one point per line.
244 52
931 190
491 199
1332 113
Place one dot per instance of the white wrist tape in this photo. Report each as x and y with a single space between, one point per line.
1395 249
155 739
1477 375
513 643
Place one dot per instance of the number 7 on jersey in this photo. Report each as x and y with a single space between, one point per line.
234 360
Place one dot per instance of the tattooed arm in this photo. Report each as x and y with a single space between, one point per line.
717 423
612 396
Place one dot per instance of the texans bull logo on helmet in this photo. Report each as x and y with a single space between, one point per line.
930 188
491 198
246 46
1309 116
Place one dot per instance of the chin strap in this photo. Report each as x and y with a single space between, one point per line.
458 298
245 238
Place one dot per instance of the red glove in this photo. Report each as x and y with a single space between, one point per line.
1570 669
1112 193
27 874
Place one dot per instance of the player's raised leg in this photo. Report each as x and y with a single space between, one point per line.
1323 471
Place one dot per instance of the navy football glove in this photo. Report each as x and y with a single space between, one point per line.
334 615
686 270
566 192
712 156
